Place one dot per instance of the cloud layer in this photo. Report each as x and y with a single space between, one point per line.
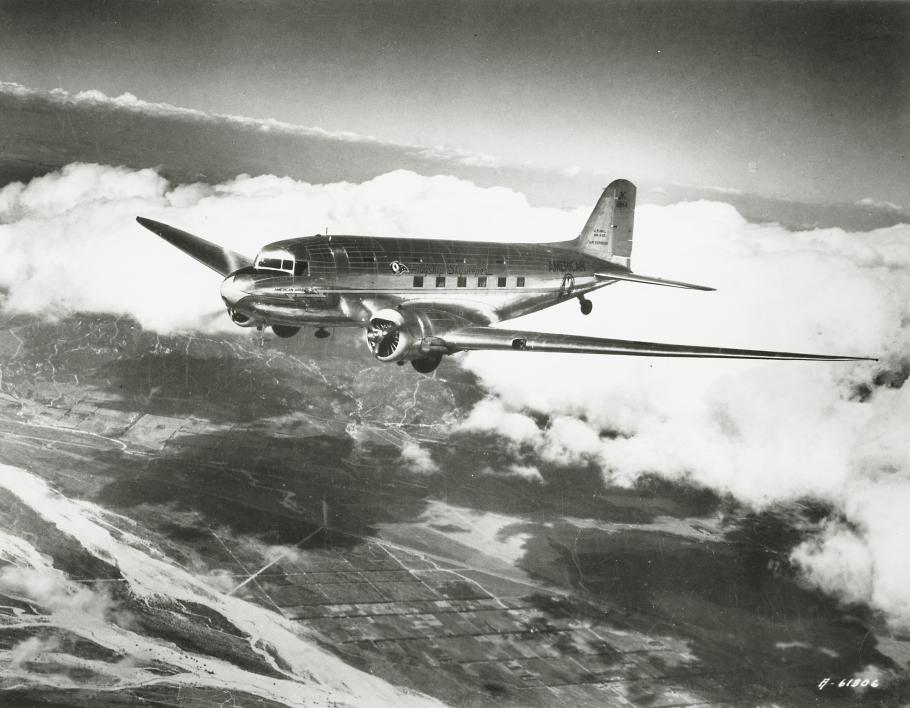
69 240
127 102
763 432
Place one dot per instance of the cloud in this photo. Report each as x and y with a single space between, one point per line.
418 459
869 202
30 649
69 240
763 432
459 156
491 415
31 575
526 472
838 562
127 102
50 589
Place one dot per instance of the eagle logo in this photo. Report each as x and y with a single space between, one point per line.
398 267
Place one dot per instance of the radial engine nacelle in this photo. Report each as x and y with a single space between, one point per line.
241 319
399 335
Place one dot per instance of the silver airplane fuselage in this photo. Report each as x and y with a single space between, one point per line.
344 280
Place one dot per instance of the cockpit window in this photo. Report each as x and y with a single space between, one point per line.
279 260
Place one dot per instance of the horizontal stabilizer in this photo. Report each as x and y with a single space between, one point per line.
493 338
219 259
635 278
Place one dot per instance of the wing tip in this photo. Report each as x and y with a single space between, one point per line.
150 224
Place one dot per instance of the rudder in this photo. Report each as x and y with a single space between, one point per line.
608 231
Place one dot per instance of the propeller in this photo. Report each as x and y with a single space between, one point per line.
383 337
389 343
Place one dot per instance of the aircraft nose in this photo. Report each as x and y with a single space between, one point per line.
235 287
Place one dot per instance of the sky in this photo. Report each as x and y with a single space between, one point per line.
500 121
805 101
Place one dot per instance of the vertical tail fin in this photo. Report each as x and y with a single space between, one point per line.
608 232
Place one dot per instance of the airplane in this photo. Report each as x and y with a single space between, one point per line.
421 299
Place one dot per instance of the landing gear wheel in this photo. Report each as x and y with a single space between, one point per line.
285 331
323 333
426 364
586 305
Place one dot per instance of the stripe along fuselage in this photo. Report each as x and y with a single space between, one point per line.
342 280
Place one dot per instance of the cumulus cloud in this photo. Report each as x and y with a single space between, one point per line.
763 432
69 240
491 415
418 459
526 472
30 649
565 440
839 562
50 589
32 576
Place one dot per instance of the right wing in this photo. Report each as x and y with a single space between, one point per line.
491 338
219 259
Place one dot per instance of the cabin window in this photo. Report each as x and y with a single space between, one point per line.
440 281
520 281
301 268
482 281
462 281
500 282
418 281
500 261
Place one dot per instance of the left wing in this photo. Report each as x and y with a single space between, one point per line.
475 338
218 258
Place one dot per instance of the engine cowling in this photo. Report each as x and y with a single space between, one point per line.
241 319
409 334
389 336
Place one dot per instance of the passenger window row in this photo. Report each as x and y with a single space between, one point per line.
461 281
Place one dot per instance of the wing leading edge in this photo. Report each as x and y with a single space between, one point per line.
219 259
490 338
